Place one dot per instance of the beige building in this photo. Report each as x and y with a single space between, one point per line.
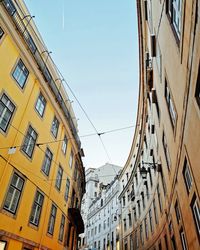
160 183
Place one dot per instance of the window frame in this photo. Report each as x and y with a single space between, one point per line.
196 219
45 161
53 132
67 189
197 90
58 187
22 69
187 176
15 188
64 145
44 102
29 136
62 228
53 206
7 110
166 151
71 159
2 33
38 205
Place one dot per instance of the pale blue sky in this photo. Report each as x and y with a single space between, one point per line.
95 46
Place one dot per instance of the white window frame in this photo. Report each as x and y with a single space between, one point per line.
71 158
196 214
59 178
20 74
14 192
36 209
29 141
62 228
6 112
40 105
55 127
64 145
46 166
52 219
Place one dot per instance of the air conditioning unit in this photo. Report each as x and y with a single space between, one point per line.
154 96
153 45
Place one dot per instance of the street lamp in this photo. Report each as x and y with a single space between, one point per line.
27 22
155 166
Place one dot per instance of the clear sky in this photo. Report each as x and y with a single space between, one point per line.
95 45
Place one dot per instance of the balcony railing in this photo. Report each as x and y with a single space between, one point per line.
26 36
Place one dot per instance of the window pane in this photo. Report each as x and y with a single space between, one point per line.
6 112
20 73
29 142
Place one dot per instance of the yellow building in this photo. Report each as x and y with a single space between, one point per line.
42 178
160 182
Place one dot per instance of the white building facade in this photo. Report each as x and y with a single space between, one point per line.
96 178
102 229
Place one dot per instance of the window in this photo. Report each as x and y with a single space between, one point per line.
14 194
55 127
71 159
141 235
29 142
36 209
99 228
62 227
143 201
40 105
174 12
173 241
124 201
1 33
67 189
75 171
159 60
130 220
187 176
64 145
197 92
159 198
183 239
135 214
10 7
59 177
124 224
146 228
170 105
155 211
150 220
52 219
3 245
177 211
196 213
6 111
166 241
139 208
166 151
47 162
20 74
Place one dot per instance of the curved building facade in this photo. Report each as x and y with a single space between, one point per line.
42 177
160 183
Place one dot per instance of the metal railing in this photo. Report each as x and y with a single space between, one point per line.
26 36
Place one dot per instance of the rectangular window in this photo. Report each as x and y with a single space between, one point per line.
10 7
14 194
196 213
47 162
40 105
187 176
64 145
159 60
141 235
6 111
183 239
3 245
36 209
170 105
55 127
29 142
155 211
1 33
130 220
59 177
76 172
71 159
173 241
52 219
197 92
146 228
125 224
67 189
151 220
166 151
174 8
177 211
20 74
62 227
159 198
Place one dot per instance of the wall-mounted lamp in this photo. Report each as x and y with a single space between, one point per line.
155 166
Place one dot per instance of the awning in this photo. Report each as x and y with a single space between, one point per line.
75 216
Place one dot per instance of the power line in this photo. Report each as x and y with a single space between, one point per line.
69 138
